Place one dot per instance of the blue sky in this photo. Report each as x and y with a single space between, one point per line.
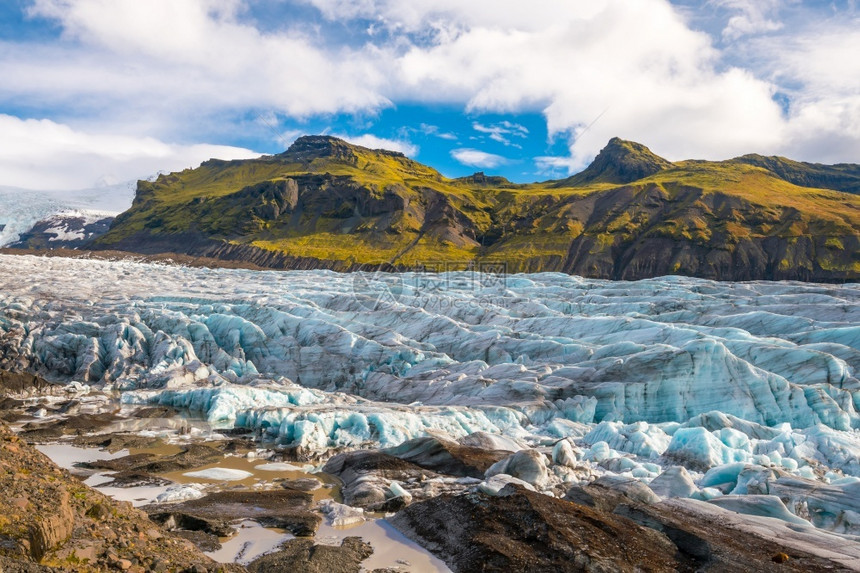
102 91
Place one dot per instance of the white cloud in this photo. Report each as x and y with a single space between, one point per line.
502 131
823 121
816 58
185 54
750 17
42 154
372 142
164 67
446 16
552 165
434 130
478 158
638 58
639 61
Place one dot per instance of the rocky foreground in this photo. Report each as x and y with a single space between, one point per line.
53 522
544 422
612 524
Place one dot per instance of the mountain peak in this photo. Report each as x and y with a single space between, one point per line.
621 161
309 147
482 180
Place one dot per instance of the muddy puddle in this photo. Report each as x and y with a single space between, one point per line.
391 549
251 541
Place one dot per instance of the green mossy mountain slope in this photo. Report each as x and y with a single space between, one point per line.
327 204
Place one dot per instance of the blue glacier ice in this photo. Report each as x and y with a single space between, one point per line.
624 378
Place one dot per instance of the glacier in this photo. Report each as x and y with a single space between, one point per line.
680 382
19 215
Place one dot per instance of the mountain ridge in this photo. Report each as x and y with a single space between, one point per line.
325 203
839 177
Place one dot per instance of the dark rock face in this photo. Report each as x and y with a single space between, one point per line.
668 244
445 457
304 555
479 178
20 382
310 147
313 147
221 253
284 509
526 531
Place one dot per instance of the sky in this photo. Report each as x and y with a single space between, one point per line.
96 92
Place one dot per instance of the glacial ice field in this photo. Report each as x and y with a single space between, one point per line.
637 377
18 215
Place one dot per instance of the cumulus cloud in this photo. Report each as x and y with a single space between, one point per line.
373 142
478 158
637 65
656 78
823 120
190 54
42 154
629 68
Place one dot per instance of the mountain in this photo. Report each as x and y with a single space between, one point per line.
325 203
842 177
619 162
